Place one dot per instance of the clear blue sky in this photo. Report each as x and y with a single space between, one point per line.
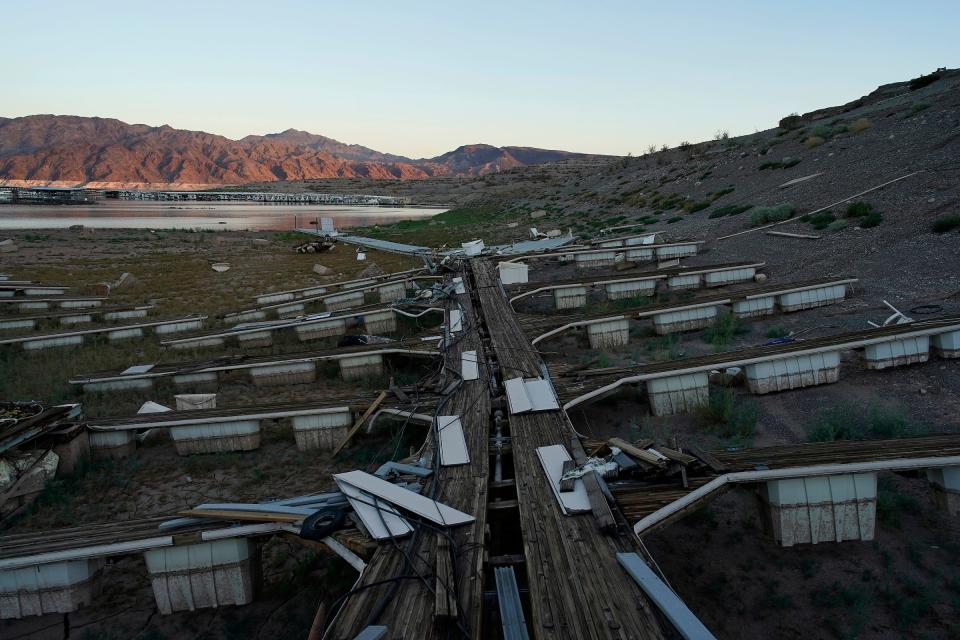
421 78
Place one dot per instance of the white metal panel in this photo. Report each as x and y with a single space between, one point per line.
469 366
552 459
137 369
517 396
535 394
456 320
403 498
453 446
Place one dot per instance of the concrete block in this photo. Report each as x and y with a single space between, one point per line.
793 372
729 276
897 353
811 298
323 329
822 508
946 488
678 394
380 322
684 282
621 290
344 301
209 574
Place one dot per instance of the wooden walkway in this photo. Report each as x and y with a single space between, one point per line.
577 588
408 607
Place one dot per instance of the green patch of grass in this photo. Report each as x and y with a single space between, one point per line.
700 205
946 223
856 422
765 215
820 221
728 327
674 219
858 209
837 225
665 347
722 192
860 124
892 504
777 332
872 219
730 210
786 163
728 417
917 107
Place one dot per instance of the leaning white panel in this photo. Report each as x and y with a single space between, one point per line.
469 367
552 459
381 521
404 498
453 446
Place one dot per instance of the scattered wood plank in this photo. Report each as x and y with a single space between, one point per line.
635 452
677 456
804 236
598 503
361 421
244 516
708 459
445 601
566 484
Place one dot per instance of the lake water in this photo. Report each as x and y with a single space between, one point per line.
255 216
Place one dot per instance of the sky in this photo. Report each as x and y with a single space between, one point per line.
421 78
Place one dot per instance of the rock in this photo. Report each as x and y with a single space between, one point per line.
539 213
76 227
260 242
321 270
760 277
373 269
7 245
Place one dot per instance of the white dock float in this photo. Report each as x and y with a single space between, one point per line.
321 329
46 343
811 298
612 333
897 353
729 276
196 380
588 260
361 366
123 315
630 289
391 292
684 281
81 318
194 401
124 334
754 307
286 311
947 345
322 431
828 508
12 323
57 587
570 297
685 319
344 301
513 273
946 488
199 343
676 250
283 374
678 394
121 332
793 372
112 444
216 437
380 322
640 255
75 304
255 339
204 575
179 327
275 297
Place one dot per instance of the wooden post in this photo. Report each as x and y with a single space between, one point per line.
361 421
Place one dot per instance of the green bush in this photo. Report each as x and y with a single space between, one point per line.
764 215
919 106
728 418
786 163
822 131
943 224
860 124
837 225
693 207
674 219
777 332
727 328
855 422
820 220
859 209
872 219
730 210
792 121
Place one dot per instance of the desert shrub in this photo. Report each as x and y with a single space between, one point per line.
858 209
674 219
820 220
943 224
777 332
856 422
919 106
786 163
792 121
721 193
727 328
727 417
822 131
838 129
872 219
891 504
764 215
860 124
693 207
923 80
730 210
837 225
813 141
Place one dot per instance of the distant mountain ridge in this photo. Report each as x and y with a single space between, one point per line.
75 149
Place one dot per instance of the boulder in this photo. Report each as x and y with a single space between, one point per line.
321 270
372 270
260 242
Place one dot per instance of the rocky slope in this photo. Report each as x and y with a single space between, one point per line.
72 149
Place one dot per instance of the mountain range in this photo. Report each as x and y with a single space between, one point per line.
54 149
